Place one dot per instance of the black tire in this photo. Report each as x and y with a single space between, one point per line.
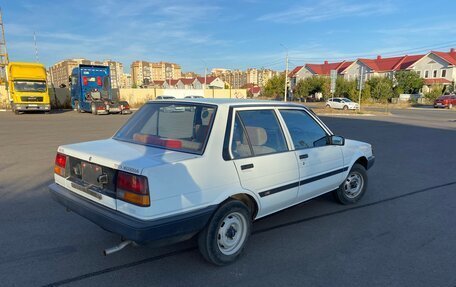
349 191
93 108
327 106
345 108
77 106
231 219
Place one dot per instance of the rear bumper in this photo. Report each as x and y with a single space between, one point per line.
175 228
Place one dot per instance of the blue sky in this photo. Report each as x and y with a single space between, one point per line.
227 34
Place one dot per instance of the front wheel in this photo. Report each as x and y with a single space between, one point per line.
345 108
223 239
450 106
353 187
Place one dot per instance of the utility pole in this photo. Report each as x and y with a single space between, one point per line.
3 53
286 77
36 48
205 80
361 80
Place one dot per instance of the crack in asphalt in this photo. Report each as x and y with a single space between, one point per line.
177 252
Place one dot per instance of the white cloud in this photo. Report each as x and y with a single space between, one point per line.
328 10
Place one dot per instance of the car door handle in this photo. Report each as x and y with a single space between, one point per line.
303 156
246 166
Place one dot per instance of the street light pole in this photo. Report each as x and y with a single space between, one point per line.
286 74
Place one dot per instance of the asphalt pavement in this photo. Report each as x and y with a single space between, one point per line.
402 233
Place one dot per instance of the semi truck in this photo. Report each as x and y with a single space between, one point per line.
91 91
27 87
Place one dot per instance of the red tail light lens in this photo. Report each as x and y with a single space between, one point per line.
60 164
133 188
85 81
99 81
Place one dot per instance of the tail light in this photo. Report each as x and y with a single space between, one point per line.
132 188
60 164
101 108
85 81
99 81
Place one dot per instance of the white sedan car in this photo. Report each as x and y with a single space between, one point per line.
208 171
342 103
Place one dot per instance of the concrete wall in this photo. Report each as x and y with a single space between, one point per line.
60 97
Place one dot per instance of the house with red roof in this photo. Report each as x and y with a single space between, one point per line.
184 83
170 84
435 67
210 81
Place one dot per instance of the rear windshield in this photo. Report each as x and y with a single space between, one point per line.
175 126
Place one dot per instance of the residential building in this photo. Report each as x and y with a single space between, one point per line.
208 82
190 75
116 70
144 73
252 76
264 75
61 71
125 82
164 71
435 67
185 83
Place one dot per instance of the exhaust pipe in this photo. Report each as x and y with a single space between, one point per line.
118 247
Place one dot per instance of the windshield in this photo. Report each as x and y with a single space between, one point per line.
183 127
30 86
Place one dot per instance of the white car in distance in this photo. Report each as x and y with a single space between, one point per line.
208 171
341 103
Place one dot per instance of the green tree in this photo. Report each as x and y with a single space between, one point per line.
435 92
408 82
346 88
302 89
381 88
275 87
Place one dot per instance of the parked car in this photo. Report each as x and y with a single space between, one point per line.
341 103
194 97
165 98
446 101
209 171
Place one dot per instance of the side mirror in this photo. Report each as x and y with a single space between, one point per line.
336 140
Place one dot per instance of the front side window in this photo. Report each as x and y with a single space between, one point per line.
304 130
182 127
260 131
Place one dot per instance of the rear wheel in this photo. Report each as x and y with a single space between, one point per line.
223 239
94 109
353 187
450 106
328 106
345 108
77 106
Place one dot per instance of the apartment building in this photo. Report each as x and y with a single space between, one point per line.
116 70
145 73
252 76
61 71
125 81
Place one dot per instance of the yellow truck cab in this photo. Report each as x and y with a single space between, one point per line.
27 88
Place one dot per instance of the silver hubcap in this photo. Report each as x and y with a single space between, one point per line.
232 233
353 185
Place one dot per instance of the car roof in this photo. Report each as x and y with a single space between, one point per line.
234 102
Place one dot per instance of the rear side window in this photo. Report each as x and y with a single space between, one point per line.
259 130
304 130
